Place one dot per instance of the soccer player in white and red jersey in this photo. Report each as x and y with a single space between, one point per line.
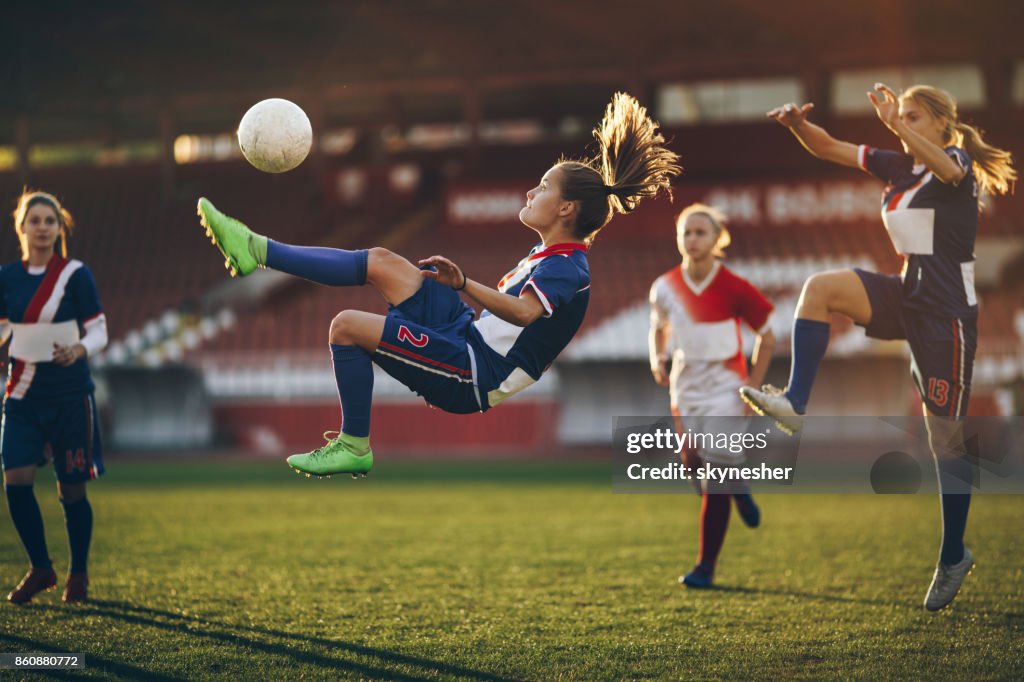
696 311
50 305
930 210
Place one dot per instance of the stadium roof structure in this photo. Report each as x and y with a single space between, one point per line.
120 70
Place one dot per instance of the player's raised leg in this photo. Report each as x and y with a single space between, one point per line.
354 336
244 250
839 291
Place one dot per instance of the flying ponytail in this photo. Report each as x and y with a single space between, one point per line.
992 166
632 163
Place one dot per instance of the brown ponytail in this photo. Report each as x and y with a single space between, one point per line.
632 163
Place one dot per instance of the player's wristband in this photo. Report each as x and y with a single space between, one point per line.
465 280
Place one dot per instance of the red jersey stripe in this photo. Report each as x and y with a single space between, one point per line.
42 295
425 360
16 371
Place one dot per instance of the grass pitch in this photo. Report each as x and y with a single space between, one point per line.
501 570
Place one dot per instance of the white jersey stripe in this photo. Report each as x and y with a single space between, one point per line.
425 368
49 309
540 294
24 381
960 364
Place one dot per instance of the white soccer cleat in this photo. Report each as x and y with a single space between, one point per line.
947 582
772 402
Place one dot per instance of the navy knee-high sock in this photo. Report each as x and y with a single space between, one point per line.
333 267
28 521
353 371
78 520
714 521
810 341
955 478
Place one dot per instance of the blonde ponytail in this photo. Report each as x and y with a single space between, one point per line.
992 166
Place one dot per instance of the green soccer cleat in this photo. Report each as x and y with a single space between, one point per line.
338 456
241 246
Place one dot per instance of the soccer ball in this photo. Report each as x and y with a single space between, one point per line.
275 135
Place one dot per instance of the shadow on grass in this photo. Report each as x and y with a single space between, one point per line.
738 589
21 644
242 636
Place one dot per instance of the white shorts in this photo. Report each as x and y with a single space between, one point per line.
695 416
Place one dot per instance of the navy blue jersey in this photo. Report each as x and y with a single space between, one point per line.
53 305
510 357
933 225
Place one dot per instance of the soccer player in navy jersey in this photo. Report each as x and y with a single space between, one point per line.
930 209
50 309
429 339
695 350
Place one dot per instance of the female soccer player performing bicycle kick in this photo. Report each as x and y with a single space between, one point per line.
930 209
429 340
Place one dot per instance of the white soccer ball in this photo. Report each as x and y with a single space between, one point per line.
275 135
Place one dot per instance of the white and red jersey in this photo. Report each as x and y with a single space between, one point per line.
708 365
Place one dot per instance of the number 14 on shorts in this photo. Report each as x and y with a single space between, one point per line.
74 461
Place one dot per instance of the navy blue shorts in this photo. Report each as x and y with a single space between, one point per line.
942 348
67 430
424 346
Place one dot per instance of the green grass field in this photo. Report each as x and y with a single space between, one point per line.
501 570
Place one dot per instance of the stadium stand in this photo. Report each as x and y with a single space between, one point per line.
261 341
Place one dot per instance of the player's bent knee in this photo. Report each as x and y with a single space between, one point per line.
837 291
818 287
341 328
945 450
384 265
20 476
945 437
381 260
379 254
71 492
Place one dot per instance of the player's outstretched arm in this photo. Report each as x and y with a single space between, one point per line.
887 107
815 139
519 311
